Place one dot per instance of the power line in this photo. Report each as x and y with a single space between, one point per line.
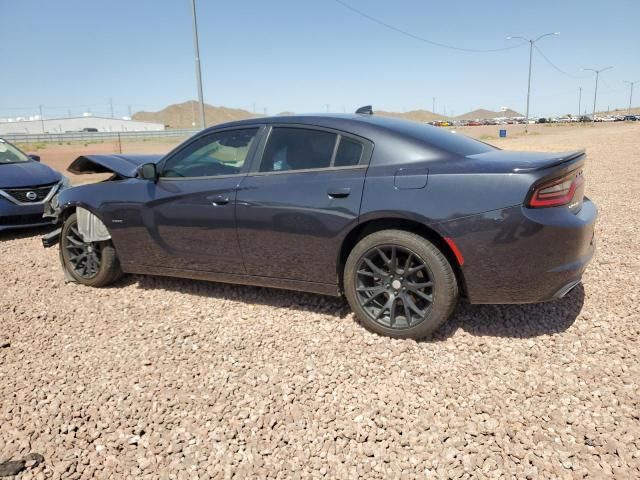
556 67
611 89
422 39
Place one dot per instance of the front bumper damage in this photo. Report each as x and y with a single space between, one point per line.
52 210
51 238
90 226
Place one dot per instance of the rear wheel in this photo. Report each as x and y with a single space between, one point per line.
399 284
94 264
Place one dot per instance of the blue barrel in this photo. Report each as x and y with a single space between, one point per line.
503 133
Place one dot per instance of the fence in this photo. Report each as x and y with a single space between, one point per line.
92 136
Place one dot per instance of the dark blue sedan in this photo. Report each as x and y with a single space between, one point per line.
25 186
401 218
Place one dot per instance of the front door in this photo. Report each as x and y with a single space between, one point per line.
191 215
294 210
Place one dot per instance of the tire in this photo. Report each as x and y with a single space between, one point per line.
109 267
371 284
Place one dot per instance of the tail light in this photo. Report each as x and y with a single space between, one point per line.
556 192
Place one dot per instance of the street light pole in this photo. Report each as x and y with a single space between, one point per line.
631 93
595 91
42 119
579 102
531 43
198 72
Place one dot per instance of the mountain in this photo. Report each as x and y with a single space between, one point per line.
183 115
415 115
617 111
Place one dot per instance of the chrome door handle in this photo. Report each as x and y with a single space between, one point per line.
339 192
220 200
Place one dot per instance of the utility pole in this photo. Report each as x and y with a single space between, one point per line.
579 101
253 107
41 119
595 91
631 93
433 107
327 105
198 72
531 43
111 106
129 108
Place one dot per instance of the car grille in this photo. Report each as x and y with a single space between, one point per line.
37 194
23 219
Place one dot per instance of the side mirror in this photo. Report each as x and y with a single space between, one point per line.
148 171
34 157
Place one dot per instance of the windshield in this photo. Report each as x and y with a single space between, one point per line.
10 154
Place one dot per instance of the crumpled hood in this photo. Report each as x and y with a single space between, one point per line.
124 165
27 174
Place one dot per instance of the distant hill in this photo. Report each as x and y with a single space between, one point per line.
618 111
415 115
483 113
183 115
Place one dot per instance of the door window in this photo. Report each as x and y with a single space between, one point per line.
221 153
349 153
298 149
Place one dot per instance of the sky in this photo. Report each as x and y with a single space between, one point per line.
73 56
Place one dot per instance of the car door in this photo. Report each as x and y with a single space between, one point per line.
191 215
301 197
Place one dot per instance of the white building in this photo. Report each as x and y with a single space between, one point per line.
76 124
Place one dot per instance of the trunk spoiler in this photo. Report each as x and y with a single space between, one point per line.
553 161
123 165
506 161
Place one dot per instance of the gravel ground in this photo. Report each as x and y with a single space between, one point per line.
167 378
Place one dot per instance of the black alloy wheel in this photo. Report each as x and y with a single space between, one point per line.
84 258
394 286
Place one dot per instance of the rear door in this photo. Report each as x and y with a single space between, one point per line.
298 202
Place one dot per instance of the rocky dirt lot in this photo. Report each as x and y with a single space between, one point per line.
163 378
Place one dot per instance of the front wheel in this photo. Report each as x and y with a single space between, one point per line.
399 284
94 264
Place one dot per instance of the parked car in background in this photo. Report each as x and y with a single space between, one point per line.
630 118
400 217
25 186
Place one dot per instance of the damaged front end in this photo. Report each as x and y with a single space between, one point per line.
91 228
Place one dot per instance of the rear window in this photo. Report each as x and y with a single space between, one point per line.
443 139
454 142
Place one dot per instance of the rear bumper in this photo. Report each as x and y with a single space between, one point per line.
520 255
14 216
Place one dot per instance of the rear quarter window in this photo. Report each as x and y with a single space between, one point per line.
349 153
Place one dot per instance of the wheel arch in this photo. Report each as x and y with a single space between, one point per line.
392 223
70 208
